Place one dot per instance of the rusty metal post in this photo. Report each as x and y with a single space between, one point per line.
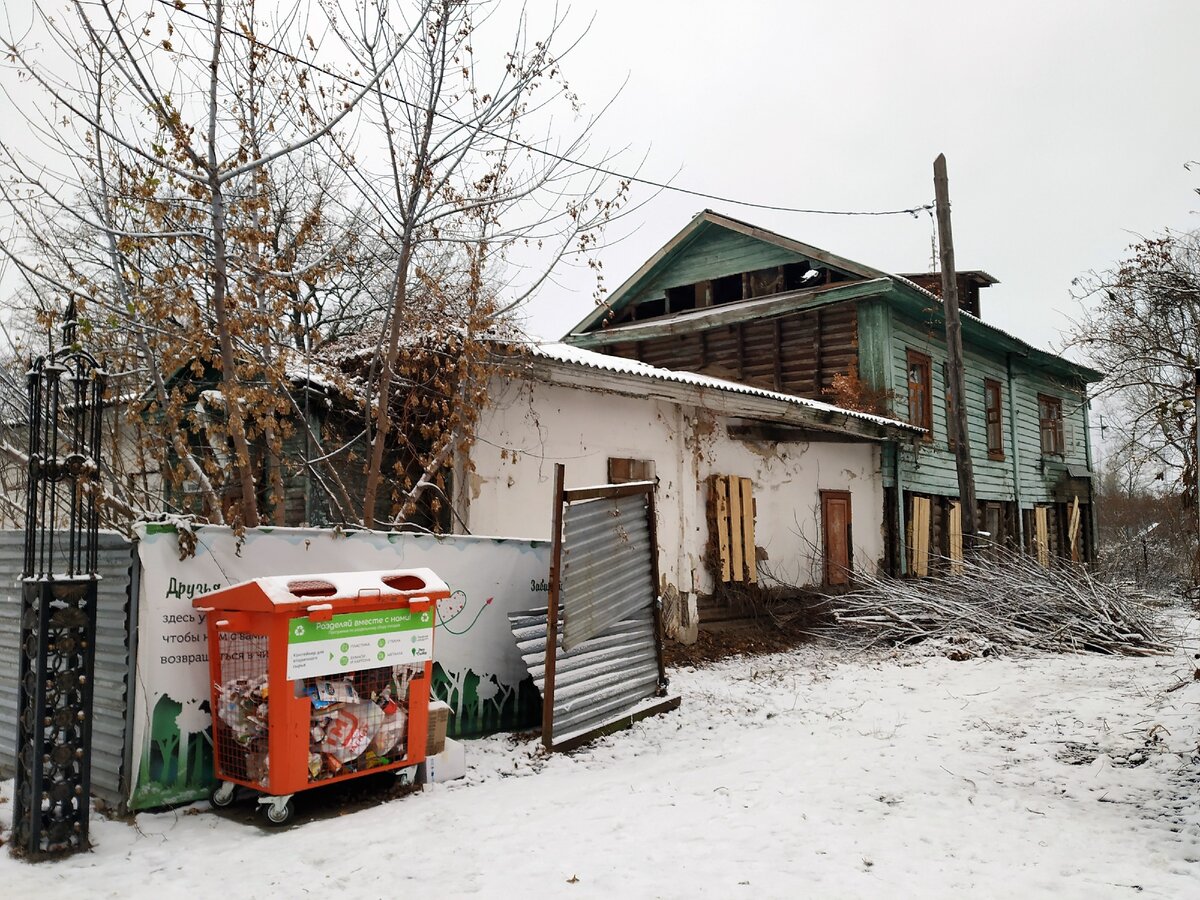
556 542
652 523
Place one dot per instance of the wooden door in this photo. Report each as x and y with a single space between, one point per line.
835 527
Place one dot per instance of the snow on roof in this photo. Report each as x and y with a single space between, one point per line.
907 282
567 353
317 374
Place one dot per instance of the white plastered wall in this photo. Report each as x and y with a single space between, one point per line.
530 426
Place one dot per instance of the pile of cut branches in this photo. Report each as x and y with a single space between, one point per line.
1008 601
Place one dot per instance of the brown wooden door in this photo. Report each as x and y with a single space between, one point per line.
835 526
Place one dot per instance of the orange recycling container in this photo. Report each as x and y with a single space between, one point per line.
318 678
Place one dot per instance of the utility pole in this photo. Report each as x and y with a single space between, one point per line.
1196 471
954 358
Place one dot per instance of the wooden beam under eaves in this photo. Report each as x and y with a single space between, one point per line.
788 434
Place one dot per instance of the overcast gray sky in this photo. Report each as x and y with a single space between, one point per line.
1066 126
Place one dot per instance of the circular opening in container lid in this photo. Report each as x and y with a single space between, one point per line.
313 587
404 582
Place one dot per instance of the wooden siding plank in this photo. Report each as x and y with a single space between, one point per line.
747 535
919 537
1041 536
720 490
777 355
956 543
1073 530
734 506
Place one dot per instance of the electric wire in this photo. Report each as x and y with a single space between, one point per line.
913 211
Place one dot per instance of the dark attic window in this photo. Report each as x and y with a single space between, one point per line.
727 289
802 275
680 299
650 309
689 296
765 282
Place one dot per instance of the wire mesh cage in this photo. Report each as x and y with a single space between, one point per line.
359 720
242 723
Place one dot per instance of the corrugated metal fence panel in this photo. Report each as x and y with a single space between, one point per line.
599 679
112 658
606 567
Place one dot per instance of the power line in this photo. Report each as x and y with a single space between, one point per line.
913 211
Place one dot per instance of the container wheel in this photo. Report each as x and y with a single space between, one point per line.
222 794
280 813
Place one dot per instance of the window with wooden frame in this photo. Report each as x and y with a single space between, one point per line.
1050 418
920 395
623 471
993 411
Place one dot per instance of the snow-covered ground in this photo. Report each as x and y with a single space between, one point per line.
806 774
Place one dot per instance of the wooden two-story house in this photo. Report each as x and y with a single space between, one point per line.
727 299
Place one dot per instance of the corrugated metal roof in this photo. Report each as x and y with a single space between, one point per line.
565 353
988 326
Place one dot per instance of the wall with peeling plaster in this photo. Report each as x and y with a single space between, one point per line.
530 426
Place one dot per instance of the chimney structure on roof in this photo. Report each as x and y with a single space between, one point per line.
969 284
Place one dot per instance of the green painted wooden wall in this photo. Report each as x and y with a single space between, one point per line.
929 467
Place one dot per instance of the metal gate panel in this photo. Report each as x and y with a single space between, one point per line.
595 652
606 565
112 658
612 672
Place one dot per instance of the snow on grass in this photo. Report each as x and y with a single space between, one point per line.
799 774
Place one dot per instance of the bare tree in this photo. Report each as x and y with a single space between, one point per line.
1141 325
239 196
472 170
164 193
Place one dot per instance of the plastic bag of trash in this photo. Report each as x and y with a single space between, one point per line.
351 729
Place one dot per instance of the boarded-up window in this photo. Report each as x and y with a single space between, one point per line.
732 522
1051 420
994 416
1073 530
1041 536
920 397
993 523
956 541
623 471
836 530
918 536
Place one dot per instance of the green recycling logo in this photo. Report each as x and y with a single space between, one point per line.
298 631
